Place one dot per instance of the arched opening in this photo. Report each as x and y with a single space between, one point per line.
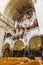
35 42
6 50
35 45
18 48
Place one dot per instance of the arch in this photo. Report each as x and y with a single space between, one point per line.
7 45
6 50
35 42
18 45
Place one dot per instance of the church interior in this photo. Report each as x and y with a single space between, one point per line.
21 42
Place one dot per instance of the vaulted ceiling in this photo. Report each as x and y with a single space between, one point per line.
16 8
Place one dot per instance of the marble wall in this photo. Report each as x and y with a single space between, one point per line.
2 32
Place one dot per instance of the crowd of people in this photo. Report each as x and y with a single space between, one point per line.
7 52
